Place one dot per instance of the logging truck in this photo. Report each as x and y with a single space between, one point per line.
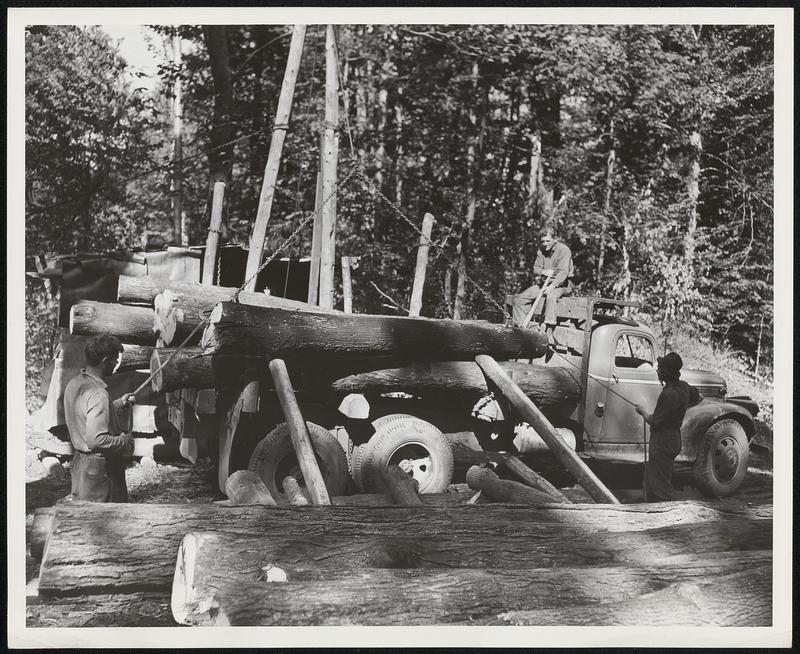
587 385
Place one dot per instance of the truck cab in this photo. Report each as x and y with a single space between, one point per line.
617 360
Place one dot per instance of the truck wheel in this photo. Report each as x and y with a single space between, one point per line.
415 445
721 463
274 459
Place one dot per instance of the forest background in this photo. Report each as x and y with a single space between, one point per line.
649 147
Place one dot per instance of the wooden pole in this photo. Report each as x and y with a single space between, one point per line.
212 240
422 263
536 419
299 433
177 126
504 490
533 479
274 157
329 162
347 285
316 236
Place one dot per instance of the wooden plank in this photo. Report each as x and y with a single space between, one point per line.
210 257
415 305
299 433
279 129
534 417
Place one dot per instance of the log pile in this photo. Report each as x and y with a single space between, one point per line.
444 562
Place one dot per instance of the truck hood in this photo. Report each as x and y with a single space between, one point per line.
710 384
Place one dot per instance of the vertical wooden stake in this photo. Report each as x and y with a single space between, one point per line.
316 240
330 157
177 126
347 285
299 433
212 240
415 305
274 157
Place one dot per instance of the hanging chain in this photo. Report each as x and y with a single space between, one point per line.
427 241
294 234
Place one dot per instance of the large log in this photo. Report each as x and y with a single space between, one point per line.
190 368
104 610
727 597
504 490
135 357
273 332
131 548
380 582
545 385
131 324
192 298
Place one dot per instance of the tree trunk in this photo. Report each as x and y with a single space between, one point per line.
610 161
731 595
177 159
133 325
192 298
131 547
355 581
693 189
545 385
223 127
272 332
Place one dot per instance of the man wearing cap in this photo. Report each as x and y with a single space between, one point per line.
665 427
101 450
552 273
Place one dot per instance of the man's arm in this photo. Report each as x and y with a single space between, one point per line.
538 264
98 436
665 405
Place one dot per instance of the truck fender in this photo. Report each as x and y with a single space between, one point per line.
699 418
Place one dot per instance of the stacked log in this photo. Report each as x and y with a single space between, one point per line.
305 565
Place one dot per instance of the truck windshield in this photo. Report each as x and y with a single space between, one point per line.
634 351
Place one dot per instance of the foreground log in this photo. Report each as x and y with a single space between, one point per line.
194 298
131 324
533 416
361 584
104 610
503 490
99 535
723 598
545 385
245 329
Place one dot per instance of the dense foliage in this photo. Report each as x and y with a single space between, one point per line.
650 147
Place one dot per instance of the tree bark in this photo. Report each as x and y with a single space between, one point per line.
729 596
272 332
135 357
415 305
223 130
131 548
191 369
352 581
103 610
504 490
610 162
403 489
546 385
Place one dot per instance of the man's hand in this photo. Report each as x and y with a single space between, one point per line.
130 398
547 290
639 409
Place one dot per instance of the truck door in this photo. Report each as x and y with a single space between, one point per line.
633 377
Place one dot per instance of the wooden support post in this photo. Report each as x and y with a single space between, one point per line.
316 236
531 414
212 241
299 433
274 157
533 479
347 285
402 488
329 162
415 306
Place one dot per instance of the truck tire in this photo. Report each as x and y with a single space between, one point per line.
274 459
415 444
722 458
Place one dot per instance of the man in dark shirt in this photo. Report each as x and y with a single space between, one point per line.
552 274
101 450
665 427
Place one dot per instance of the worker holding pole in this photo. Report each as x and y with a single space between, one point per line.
552 273
101 450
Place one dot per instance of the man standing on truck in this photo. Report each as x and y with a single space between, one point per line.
552 274
665 427
101 450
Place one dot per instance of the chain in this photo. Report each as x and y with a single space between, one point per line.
427 241
294 234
